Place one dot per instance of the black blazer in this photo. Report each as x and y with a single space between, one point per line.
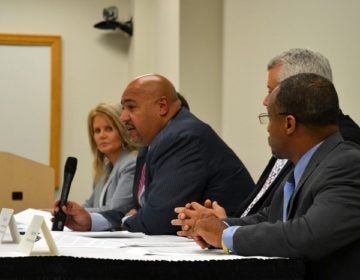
349 130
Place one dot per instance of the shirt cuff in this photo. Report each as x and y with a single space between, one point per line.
124 219
227 237
99 223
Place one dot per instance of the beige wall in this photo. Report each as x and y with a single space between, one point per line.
255 31
155 44
201 58
95 66
215 54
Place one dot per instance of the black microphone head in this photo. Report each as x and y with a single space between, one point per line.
70 165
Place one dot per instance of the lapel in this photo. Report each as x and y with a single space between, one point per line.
323 151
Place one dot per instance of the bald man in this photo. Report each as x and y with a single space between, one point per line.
181 160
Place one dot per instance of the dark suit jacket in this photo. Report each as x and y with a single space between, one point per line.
187 161
324 213
350 131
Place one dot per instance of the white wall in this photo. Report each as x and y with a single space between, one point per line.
257 30
201 58
226 93
155 44
95 66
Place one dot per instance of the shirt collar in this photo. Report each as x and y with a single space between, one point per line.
303 162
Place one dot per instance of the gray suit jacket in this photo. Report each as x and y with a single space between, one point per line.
324 212
119 186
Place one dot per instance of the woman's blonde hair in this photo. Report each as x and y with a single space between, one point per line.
112 111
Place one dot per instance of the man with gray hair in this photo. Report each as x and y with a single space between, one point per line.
289 63
298 60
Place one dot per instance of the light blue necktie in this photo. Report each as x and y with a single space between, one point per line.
289 189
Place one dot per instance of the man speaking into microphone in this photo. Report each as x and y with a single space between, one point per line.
182 159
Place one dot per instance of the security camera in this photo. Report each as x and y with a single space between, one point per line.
110 21
110 14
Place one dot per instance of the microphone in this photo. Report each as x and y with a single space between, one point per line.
69 172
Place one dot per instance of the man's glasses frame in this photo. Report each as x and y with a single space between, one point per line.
264 117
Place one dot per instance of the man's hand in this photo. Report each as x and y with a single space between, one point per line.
132 212
218 211
208 232
188 215
77 218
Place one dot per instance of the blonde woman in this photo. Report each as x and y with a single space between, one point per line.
114 160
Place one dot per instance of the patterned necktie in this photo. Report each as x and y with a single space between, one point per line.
141 188
278 166
289 189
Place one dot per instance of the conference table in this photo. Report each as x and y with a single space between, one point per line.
125 255
122 263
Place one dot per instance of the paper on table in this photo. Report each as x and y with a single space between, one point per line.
183 251
107 234
64 240
160 241
196 253
24 218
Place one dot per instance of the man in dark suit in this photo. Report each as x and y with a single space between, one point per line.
315 215
182 159
288 63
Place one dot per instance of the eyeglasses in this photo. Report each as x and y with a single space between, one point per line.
264 118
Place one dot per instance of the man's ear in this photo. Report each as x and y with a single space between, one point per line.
290 124
163 105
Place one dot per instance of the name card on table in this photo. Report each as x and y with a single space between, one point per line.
7 220
32 234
